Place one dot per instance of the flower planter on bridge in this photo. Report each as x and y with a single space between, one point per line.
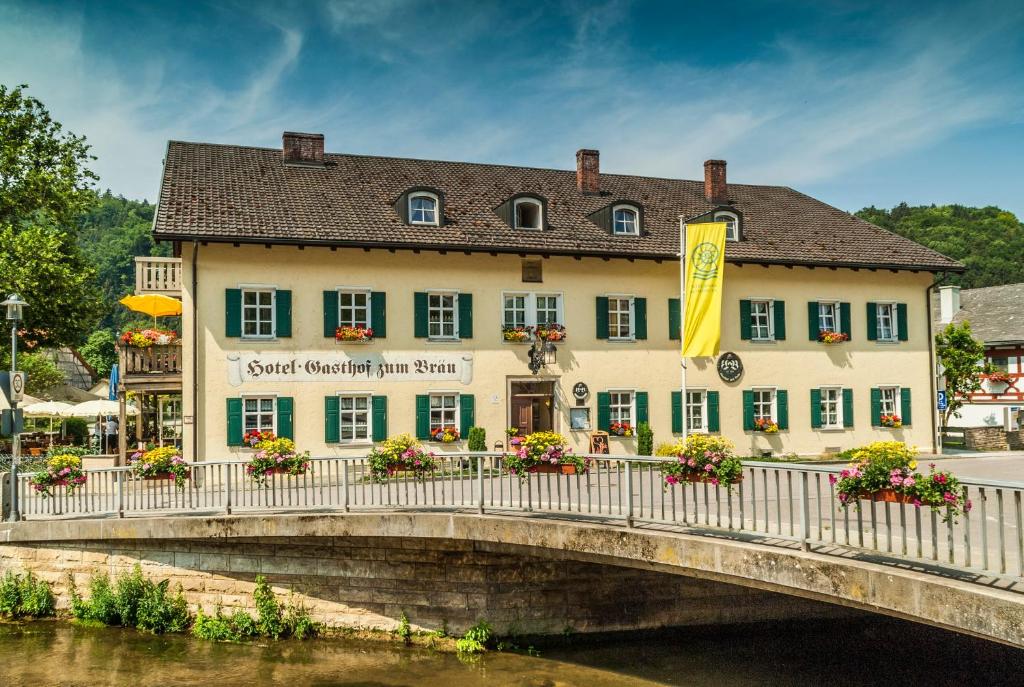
548 468
886 496
165 476
697 478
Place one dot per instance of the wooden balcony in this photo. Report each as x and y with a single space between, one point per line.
154 368
158 275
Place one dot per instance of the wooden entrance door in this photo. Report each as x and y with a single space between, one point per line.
522 415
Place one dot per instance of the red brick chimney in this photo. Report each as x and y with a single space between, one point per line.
588 171
302 149
716 190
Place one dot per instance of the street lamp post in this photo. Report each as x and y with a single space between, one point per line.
14 304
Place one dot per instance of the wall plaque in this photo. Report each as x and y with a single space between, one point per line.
730 367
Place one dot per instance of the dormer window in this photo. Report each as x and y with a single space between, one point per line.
625 220
732 225
423 208
529 213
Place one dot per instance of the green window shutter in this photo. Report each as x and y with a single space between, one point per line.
330 313
779 311
422 416
379 405
379 314
674 319
813 327
604 411
876 407
677 412
901 321
848 408
782 402
420 329
745 333
905 406
286 417
845 326
332 422
640 318
815 408
748 410
642 414
714 424
872 321
467 414
234 432
602 317
465 316
283 314
233 313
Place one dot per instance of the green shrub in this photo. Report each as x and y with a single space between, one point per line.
25 597
78 451
128 592
477 439
404 629
644 439
77 429
160 612
268 610
476 639
221 628
101 606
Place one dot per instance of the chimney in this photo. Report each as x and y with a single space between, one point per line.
949 303
715 188
302 149
588 171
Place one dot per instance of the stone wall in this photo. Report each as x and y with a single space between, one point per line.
985 438
369 582
1015 440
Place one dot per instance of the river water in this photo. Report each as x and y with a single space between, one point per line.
839 653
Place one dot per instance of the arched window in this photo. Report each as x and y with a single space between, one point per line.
423 208
625 220
529 213
732 225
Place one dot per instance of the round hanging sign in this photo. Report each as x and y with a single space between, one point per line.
580 390
730 367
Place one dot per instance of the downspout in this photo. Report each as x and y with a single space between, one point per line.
195 354
932 370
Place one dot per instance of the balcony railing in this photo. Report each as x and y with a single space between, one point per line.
157 275
152 360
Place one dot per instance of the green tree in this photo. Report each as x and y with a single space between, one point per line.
42 372
963 358
99 351
43 169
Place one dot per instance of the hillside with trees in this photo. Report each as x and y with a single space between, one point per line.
989 241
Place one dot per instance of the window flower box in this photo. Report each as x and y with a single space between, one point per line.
253 438
622 429
893 421
345 334
144 338
702 458
446 435
516 334
766 426
551 332
998 377
829 337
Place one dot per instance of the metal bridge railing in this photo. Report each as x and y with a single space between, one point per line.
787 504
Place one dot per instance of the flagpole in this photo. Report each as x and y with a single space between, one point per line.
682 324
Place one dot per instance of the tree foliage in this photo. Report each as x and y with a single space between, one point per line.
40 368
989 241
963 358
99 351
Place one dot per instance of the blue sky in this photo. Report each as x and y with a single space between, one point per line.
856 103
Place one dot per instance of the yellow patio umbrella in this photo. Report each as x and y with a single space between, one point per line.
153 304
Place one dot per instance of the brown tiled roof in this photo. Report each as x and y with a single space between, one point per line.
236 193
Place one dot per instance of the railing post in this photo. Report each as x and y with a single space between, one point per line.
629 495
480 485
120 494
344 482
14 515
805 513
227 482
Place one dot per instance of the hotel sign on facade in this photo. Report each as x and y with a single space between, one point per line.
318 366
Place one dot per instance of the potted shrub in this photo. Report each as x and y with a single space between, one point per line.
622 429
349 334
160 463
885 471
276 456
62 470
893 421
702 458
516 334
551 332
446 435
542 452
829 337
402 453
766 425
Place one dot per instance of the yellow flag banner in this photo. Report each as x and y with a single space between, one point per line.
702 298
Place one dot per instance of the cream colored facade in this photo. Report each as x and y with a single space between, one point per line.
652 365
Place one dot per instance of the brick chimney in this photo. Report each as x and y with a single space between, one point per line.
302 149
716 190
588 171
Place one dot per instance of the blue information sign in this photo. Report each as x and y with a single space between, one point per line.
942 402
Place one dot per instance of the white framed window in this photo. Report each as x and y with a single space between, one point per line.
620 317
831 408
625 220
529 213
442 315
259 413
530 309
444 411
548 309
354 309
354 417
732 225
890 400
423 208
621 407
258 313
886 317
514 314
764 404
696 410
828 316
761 321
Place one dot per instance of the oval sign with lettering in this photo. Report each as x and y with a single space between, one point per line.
580 390
730 367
